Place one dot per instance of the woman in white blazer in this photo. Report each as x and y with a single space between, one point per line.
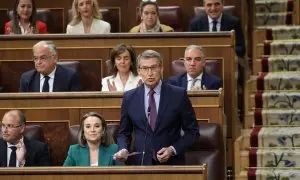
123 69
87 18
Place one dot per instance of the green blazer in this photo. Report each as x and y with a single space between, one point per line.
80 156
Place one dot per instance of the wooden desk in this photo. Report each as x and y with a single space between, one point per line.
55 112
16 51
105 173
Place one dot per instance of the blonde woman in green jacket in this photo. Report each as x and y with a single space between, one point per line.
95 147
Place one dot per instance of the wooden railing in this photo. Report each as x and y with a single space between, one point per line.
107 173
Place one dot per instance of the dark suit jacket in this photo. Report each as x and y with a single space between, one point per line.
209 81
65 79
37 153
228 23
174 114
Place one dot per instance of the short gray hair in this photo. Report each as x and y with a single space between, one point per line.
197 47
49 44
147 54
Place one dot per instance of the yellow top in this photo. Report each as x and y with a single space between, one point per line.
164 28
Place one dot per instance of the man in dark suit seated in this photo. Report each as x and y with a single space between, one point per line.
195 77
47 75
17 150
216 20
156 112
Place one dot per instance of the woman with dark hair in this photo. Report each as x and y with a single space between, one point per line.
123 69
95 147
24 19
148 11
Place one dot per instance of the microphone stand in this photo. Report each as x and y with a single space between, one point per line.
145 138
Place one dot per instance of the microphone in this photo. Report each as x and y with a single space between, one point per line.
145 138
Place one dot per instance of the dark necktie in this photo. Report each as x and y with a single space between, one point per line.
46 84
193 84
215 22
13 157
153 112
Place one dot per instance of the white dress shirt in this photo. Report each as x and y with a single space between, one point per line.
210 23
98 27
50 81
23 30
95 164
131 83
197 83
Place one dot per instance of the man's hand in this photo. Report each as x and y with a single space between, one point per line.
121 155
21 151
164 154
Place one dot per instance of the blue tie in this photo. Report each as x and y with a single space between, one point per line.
46 84
215 22
153 112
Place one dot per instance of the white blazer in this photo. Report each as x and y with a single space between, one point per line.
131 83
98 27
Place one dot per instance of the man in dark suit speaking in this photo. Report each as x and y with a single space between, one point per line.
17 150
216 20
47 75
156 112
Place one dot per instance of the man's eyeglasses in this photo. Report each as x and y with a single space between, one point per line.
154 69
9 126
42 58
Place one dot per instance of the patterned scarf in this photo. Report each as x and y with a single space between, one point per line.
156 27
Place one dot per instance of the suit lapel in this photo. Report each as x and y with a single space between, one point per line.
184 81
141 104
163 102
85 156
223 23
206 24
28 151
3 153
104 157
36 82
56 80
203 81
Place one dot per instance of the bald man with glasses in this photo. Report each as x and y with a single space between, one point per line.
17 150
47 75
